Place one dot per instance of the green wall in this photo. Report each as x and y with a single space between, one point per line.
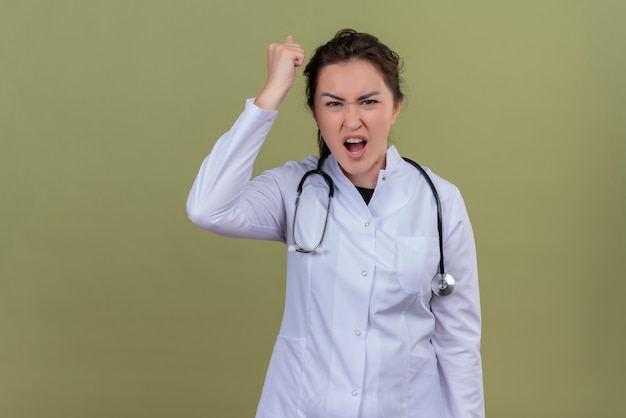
112 304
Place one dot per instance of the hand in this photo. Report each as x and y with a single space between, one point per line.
282 61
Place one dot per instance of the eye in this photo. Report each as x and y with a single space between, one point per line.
369 102
332 104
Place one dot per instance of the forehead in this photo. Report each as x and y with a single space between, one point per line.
352 77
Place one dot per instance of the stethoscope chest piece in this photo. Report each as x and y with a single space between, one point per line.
442 284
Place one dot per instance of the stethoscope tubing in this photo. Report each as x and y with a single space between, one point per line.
439 211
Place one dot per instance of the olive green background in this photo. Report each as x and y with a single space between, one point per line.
112 304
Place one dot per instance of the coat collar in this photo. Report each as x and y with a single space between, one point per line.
394 163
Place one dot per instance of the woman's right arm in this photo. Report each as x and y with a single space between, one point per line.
222 198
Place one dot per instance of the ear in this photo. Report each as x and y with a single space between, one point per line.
396 110
312 109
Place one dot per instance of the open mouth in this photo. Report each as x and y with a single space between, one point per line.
355 145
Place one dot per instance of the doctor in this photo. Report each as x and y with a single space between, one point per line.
362 334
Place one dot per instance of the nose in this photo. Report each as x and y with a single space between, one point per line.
352 117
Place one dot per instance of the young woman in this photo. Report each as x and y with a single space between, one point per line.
363 334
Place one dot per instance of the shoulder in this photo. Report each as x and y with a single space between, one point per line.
295 167
443 186
448 192
291 171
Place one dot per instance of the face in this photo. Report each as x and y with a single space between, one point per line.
354 110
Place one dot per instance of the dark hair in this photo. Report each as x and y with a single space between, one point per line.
348 44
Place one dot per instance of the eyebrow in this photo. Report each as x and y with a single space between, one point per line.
361 97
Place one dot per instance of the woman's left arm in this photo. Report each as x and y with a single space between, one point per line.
458 320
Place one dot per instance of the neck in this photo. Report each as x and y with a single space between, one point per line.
364 183
368 179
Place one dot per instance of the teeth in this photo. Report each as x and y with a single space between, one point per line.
354 140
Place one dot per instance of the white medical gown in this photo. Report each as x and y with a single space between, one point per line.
362 335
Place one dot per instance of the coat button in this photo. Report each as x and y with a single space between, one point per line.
364 273
357 332
354 393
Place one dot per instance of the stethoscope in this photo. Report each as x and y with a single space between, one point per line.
442 283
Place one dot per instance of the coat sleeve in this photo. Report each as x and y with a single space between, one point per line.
458 320
223 198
